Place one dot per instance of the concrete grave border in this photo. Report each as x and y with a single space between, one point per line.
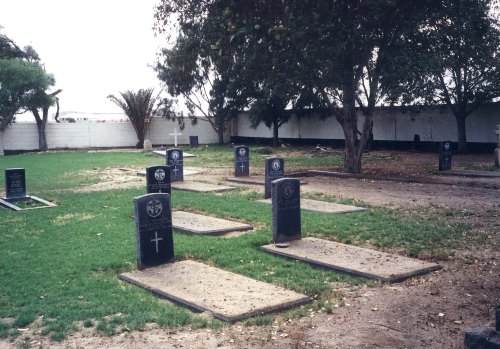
343 267
305 202
220 284
238 227
203 187
9 203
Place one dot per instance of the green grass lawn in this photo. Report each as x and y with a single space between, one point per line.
59 266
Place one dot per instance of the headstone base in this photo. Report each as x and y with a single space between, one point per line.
148 146
228 296
11 203
482 338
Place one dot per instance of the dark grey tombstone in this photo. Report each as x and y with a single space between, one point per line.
275 169
15 183
153 229
241 161
286 209
158 179
445 156
193 141
175 159
484 337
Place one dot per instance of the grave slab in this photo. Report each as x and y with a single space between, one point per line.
197 224
469 173
164 154
11 203
353 260
188 171
228 296
257 180
201 187
323 206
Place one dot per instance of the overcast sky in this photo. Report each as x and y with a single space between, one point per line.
94 47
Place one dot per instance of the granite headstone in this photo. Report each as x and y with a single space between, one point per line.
175 159
158 179
241 161
15 183
275 169
286 210
153 227
445 156
497 149
193 141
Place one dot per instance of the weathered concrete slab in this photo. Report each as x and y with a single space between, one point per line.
11 203
197 224
354 260
228 296
257 180
469 173
188 171
164 154
201 187
323 206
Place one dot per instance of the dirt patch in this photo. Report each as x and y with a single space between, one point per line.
431 311
113 178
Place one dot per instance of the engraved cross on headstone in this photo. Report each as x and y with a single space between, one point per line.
156 240
175 134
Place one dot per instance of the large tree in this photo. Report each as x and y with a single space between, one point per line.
195 69
21 83
140 107
23 87
332 46
455 62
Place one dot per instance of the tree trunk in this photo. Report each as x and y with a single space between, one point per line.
462 133
41 122
220 133
42 139
275 133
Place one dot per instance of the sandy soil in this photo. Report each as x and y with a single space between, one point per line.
432 311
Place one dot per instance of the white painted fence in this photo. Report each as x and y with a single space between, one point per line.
431 126
24 136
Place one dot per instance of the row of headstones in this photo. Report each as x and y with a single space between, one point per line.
273 168
153 215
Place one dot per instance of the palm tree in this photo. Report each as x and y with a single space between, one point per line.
140 107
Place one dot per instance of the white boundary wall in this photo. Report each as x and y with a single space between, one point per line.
431 126
24 136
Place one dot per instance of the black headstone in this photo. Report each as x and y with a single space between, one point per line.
241 161
275 169
286 209
158 179
445 156
15 183
193 141
153 229
175 159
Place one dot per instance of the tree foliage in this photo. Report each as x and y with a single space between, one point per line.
140 107
353 54
194 68
455 60
23 87
22 84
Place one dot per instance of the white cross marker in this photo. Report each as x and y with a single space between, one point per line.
242 167
175 170
156 240
175 134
